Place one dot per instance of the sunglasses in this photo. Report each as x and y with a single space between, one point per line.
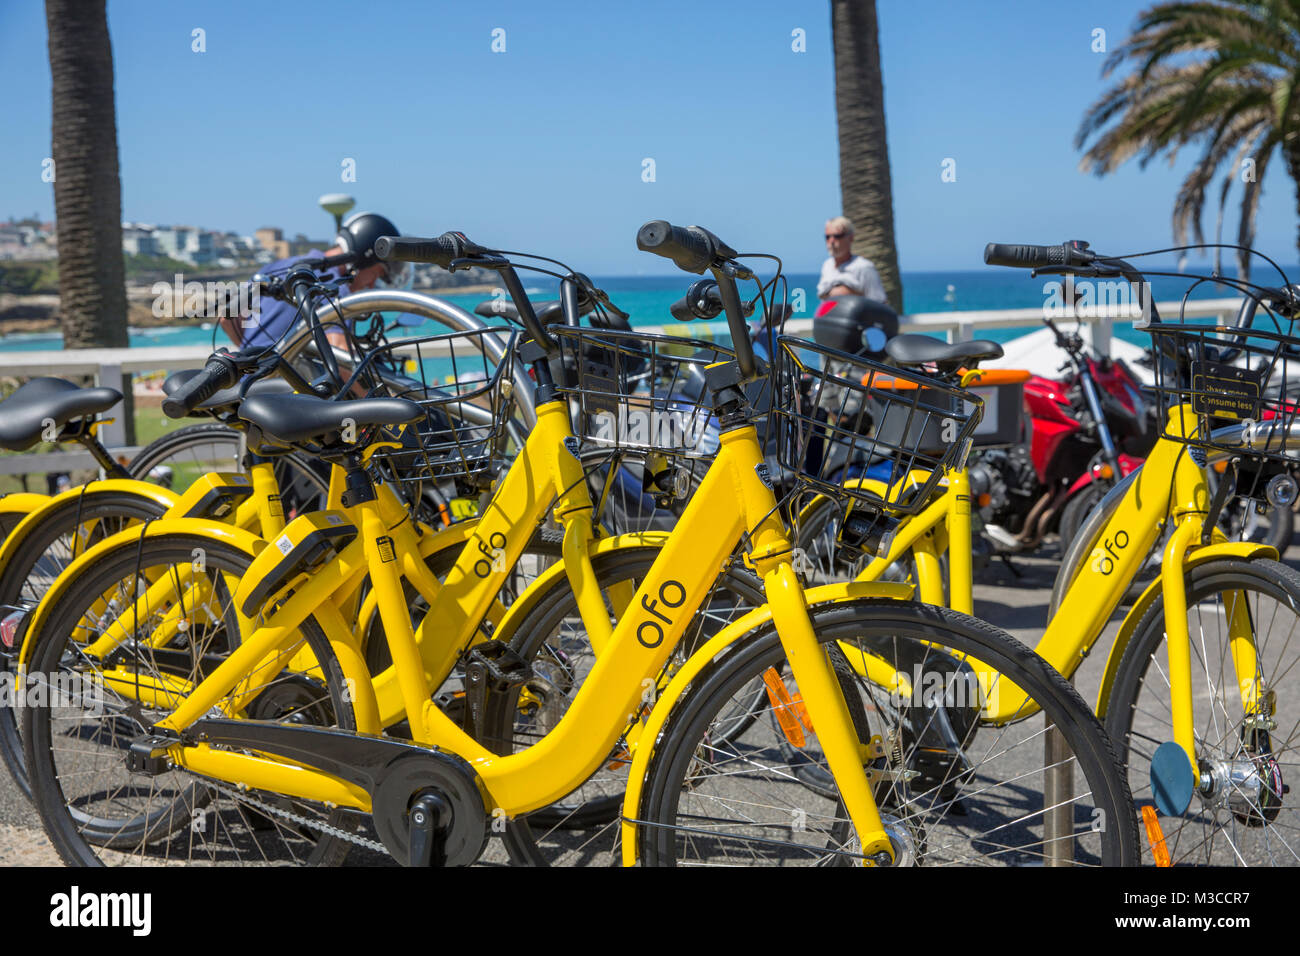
836 235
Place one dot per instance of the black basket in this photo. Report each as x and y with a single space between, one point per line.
638 391
464 394
840 418
1229 376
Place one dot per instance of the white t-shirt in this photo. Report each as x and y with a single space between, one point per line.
857 274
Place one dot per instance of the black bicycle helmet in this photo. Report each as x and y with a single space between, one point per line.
359 232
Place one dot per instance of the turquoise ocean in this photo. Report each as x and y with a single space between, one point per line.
647 298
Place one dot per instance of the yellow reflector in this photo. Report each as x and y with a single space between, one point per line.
1155 836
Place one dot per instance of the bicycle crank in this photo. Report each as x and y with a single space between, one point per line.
425 803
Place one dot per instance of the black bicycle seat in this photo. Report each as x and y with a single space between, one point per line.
913 349
304 418
25 414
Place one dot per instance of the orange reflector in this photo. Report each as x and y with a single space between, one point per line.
1221 466
621 759
984 499
1155 836
790 714
1106 471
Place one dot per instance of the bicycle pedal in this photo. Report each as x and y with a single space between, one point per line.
148 754
491 668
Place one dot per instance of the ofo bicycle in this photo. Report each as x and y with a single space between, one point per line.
1196 685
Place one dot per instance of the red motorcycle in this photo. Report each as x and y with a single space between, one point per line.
1083 433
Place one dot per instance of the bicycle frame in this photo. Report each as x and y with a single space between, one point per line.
732 502
1170 487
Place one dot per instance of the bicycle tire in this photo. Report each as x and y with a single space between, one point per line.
174 800
782 820
34 565
583 827
1250 822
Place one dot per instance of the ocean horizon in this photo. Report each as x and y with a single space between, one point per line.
646 300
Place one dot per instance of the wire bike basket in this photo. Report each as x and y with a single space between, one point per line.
1229 375
637 391
855 429
463 393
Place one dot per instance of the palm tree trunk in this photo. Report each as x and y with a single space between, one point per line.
87 187
1291 152
864 153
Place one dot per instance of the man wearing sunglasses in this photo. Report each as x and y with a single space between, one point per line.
844 273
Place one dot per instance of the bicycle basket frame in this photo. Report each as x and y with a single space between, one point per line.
465 419
1229 375
640 391
840 417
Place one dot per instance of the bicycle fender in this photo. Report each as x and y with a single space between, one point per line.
237 538
1241 550
734 632
524 604
45 504
21 502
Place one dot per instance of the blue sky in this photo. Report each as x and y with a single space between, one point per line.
541 147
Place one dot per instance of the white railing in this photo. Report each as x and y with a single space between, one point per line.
109 365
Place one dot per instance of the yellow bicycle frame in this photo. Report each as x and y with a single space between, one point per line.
1170 487
732 500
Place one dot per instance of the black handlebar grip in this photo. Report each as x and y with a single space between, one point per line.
1024 257
438 251
220 372
690 247
702 301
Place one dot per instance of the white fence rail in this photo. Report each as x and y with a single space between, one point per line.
109 365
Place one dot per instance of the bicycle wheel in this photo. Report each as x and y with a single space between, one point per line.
950 790
96 810
64 533
582 828
1242 813
175 459
819 558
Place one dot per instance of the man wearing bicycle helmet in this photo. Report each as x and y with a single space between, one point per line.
356 237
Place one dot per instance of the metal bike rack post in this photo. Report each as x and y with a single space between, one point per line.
1058 787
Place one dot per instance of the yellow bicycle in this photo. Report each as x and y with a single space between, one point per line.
920 763
1196 688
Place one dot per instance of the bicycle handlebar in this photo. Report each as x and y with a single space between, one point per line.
694 249
1018 256
221 371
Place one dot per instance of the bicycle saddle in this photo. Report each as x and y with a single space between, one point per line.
24 414
227 396
302 418
913 349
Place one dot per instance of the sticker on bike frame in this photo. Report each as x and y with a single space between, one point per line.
1225 391
274 506
385 546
